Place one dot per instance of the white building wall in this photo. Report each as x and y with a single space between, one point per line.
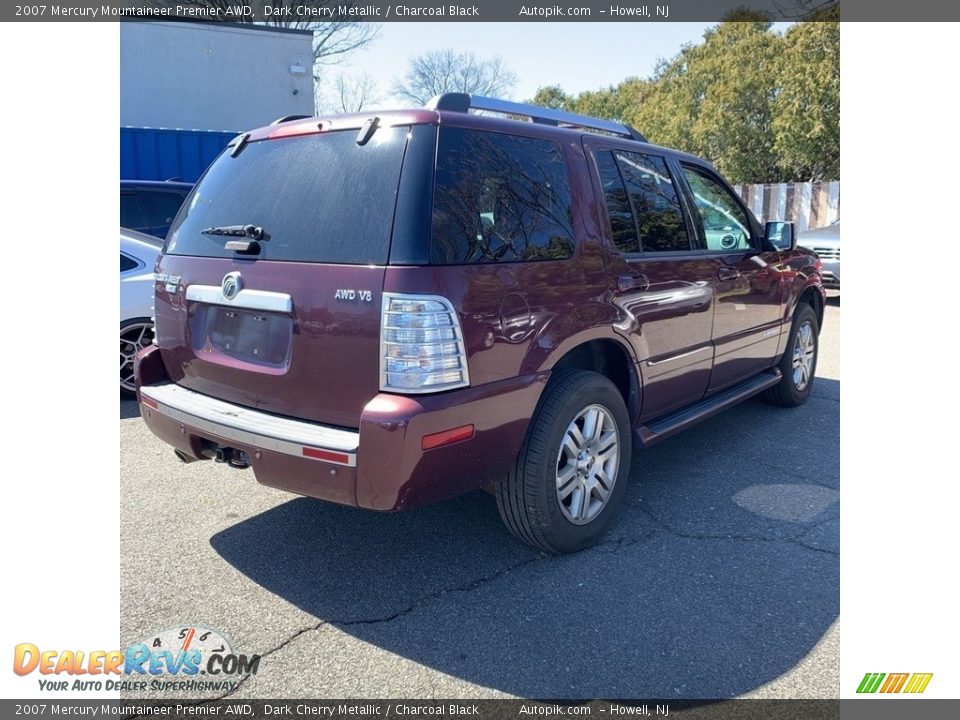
212 77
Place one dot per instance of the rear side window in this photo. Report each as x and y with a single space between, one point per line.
656 203
622 225
130 214
319 198
127 263
499 198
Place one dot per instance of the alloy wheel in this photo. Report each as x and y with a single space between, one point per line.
587 464
804 351
133 338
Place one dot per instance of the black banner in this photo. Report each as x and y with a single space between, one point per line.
241 709
320 11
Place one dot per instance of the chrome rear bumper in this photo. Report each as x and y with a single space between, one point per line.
252 427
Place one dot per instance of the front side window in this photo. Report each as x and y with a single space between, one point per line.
499 198
725 223
656 203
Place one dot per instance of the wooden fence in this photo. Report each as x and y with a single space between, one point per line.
809 205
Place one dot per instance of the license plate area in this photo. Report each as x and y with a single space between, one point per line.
236 337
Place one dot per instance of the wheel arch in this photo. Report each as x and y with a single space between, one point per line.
606 355
812 295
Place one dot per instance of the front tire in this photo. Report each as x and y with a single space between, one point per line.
571 475
799 361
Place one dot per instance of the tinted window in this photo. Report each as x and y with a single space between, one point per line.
319 198
499 198
656 203
622 226
160 206
130 215
127 263
724 221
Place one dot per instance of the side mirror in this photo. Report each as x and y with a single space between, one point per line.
781 235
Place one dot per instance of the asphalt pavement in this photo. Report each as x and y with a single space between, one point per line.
720 579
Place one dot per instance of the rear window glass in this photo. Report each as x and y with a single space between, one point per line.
319 198
499 198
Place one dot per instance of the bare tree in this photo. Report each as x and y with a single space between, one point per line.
356 93
332 39
443 71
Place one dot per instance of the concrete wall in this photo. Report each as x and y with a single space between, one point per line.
211 77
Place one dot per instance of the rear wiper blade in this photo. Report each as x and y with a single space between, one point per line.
251 231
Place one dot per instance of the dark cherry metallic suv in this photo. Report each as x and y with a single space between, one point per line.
387 311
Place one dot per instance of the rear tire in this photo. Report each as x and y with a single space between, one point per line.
571 474
799 362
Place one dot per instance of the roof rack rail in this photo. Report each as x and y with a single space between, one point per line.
288 118
462 102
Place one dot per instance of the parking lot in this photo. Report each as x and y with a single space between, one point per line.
720 579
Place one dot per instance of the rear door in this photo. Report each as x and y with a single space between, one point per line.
749 283
656 274
292 325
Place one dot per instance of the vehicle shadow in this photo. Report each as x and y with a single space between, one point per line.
129 408
721 574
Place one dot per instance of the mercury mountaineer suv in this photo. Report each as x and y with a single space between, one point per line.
385 311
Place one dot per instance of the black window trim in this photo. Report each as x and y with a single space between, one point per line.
755 235
697 246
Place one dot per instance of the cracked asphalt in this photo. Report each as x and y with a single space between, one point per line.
721 578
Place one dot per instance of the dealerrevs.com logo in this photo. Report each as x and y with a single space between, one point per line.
910 683
189 658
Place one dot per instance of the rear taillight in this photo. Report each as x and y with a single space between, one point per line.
421 345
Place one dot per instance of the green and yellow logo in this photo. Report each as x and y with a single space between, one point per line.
894 682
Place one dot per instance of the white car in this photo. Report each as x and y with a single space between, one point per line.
825 242
138 253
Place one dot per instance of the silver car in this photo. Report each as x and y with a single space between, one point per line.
825 242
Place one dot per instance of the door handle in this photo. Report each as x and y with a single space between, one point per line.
633 282
728 273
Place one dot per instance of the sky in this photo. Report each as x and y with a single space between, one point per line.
576 56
